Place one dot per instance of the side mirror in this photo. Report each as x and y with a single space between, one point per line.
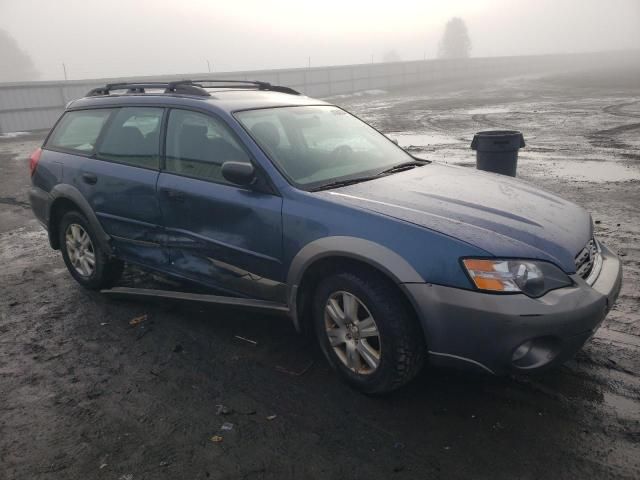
240 173
394 140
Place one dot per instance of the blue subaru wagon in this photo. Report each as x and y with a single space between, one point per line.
281 202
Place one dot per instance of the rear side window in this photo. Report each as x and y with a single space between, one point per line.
198 145
133 137
79 130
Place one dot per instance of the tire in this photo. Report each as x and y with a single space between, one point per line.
104 272
399 343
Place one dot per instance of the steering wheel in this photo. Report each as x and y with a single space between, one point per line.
342 152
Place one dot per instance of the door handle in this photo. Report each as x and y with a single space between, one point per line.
89 178
175 195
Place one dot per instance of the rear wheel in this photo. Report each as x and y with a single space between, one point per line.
367 331
85 260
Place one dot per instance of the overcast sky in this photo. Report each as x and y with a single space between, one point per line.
105 38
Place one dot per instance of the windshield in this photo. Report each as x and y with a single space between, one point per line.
319 145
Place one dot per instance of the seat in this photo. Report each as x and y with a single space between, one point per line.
128 142
190 145
192 142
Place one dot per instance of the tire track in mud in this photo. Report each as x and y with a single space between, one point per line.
482 118
13 202
618 130
602 137
617 109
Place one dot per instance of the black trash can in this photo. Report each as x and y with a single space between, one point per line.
497 150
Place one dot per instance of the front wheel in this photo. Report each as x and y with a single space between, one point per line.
85 260
367 331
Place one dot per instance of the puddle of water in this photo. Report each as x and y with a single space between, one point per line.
422 139
487 110
595 172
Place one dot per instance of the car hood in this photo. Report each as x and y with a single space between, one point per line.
501 215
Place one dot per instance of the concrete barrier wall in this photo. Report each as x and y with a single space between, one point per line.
36 105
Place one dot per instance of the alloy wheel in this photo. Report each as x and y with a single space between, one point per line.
352 332
80 250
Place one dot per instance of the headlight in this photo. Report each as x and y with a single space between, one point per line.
508 276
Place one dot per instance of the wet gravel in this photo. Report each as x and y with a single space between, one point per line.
85 394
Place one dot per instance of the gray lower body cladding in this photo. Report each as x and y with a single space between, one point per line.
504 333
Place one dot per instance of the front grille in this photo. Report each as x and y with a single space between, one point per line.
586 259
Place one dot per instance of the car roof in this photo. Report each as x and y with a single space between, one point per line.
228 100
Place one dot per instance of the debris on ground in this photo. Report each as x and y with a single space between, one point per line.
244 339
217 439
246 412
272 417
223 410
143 330
295 373
138 320
226 427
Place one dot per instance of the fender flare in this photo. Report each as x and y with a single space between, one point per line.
374 254
71 193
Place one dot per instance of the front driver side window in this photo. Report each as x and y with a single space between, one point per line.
198 145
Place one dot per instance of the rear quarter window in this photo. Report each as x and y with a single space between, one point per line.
79 130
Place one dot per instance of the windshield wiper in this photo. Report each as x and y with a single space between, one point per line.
402 166
344 183
350 181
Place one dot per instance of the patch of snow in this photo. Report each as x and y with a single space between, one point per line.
13 134
422 139
361 93
487 110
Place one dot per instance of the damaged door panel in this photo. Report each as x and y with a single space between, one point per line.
222 235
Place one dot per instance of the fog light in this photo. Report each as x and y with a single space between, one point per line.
521 351
535 353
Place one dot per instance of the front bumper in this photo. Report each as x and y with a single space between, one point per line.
482 331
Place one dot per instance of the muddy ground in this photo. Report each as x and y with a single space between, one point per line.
86 395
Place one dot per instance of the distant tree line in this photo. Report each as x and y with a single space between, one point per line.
455 42
16 64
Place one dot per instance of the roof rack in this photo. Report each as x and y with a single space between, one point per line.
189 87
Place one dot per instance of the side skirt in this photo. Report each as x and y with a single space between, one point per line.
248 303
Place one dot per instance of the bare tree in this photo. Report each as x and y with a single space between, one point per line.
16 64
391 56
455 42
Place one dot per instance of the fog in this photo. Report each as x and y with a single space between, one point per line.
97 38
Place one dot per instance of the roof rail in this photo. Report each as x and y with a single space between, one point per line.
189 87
244 83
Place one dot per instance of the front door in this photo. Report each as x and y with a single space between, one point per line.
217 233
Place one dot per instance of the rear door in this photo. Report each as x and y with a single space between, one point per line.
117 172
221 234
